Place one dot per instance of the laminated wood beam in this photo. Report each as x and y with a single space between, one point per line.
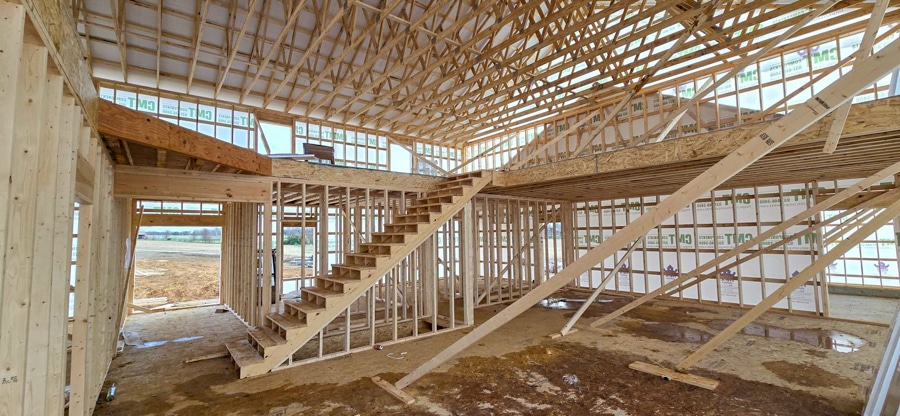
800 279
130 125
755 148
759 239
166 184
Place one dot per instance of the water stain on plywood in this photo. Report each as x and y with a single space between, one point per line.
806 374
665 332
817 337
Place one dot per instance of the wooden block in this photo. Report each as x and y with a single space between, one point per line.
560 334
668 374
394 391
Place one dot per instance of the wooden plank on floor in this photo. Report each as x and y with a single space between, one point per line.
399 394
668 374
207 357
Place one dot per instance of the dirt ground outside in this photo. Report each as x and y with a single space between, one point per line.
183 271
175 270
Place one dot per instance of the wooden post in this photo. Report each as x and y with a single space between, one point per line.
322 250
38 338
756 147
62 254
267 283
429 278
801 278
468 245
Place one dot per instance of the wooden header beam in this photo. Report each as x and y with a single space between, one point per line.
180 220
133 126
755 148
178 185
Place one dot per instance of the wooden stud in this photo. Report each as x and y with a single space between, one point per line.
19 235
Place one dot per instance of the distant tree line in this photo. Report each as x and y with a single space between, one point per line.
205 235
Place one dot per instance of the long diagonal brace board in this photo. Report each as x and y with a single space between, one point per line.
756 147
819 207
800 279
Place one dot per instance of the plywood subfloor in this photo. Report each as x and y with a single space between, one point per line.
862 308
788 373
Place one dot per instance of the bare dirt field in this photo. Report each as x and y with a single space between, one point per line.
178 271
182 271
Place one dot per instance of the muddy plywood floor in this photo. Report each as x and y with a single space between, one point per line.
781 365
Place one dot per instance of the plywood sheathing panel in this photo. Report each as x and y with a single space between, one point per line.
340 175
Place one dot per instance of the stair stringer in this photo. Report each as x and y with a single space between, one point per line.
280 353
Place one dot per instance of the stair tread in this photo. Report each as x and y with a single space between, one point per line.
243 353
305 307
325 293
286 321
266 337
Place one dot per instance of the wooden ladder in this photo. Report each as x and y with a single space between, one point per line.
283 334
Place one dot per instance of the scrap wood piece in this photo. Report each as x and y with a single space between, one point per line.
206 357
560 334
394 391
668 374
141 308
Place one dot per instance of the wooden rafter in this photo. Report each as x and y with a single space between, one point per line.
198 35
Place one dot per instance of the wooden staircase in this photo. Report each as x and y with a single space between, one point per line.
268 346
